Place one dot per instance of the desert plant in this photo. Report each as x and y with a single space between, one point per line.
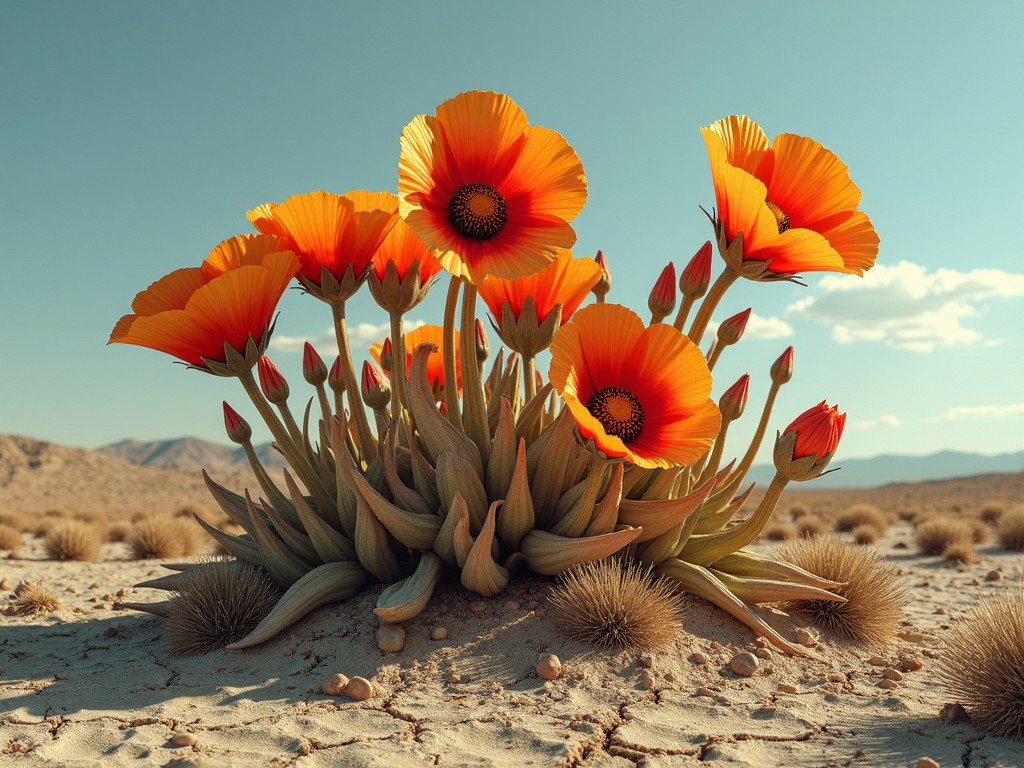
934 535
798 510
979 529
862 514
866 533
983 665
780 532
163 537
15 520
217 603
32 598
1010 530
875 597
72 540
991 511
960 551
118 530
10 537
811 525
615 605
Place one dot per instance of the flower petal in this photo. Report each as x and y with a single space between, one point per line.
549 174
740 198
169 292
856 242
479 128
240 251
743 140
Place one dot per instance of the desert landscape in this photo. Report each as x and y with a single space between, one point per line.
92 681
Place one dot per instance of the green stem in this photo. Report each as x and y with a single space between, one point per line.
451 379
716 454
755 443
681 315
715 353
707 307
399 399
529 377
364 438
474 414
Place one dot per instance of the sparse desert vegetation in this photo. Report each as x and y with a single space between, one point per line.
73 540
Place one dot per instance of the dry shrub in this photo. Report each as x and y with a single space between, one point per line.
983 665
875 597
220 602
960 552
163 537
798 510
32 598
780 531
1010 530
865 534
93 516
979 529
15 520
617 606
934 536
862 514
10 537
811 525
119 530
193 508
991 511
72 540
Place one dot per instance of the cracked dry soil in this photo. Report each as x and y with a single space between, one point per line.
93 684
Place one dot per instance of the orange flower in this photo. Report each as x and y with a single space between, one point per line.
488 193
334 236
793 200
395 285
524 326
426 334
201 314
640 392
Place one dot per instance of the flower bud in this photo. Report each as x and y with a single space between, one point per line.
731 329
807 445
782 369
694 281
336 378
375 389
313 369
604 284
663 296
238 429
386 354
734 399
483 349
274 387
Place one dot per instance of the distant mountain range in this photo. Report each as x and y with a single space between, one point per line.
191 452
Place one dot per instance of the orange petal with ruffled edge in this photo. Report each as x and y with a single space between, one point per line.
743 140
402 246
549 173
240 251
426 334
483 132
566 281
740 198
171 291
856 242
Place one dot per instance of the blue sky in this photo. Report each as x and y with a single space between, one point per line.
136 135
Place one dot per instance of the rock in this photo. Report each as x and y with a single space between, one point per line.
669 677
744 663
391 638
698 658
510 605
993 576
549 667
359 688
647 660
891 674
477 607
836 679
953 713
927 762
706 692
910 665
762 653
439 633
877 661
334 685
911 637
647 680
805 637
183 739
887 684
786 688
5 584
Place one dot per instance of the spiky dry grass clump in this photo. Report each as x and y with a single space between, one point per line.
612 605
875 597
32 598
865 534
119 530
10 537
798 510
72 540
811 525
979 529
983 665
862 514
961 552
163 537
220 601
1010 530
991 511
15 520
933 536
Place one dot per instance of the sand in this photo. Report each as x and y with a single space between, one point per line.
94 683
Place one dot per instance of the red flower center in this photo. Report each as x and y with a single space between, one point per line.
619 412
477 211
781 217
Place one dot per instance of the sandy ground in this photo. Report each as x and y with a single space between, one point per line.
93 683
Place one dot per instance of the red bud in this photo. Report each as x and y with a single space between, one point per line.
694 281
274 387
237 428
313 369
731 329
663 296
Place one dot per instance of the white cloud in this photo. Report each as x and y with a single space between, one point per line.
761 327
360 337
962 412
907 307
885 421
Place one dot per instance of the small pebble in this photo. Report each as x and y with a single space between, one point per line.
647 660
289 651
391 638
359 688
95 585
71 590
953 713
439 633
805 637
706 692
183 739
477 607
927 762
698 658
646 680
532 605
993 576
549 667
669 677
762 653
911 637
836 679
877 661
787 688
335 685
910 665
122 592
511 605
929 653
5 584
887 684
891 674
940 611
453 679
744 663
